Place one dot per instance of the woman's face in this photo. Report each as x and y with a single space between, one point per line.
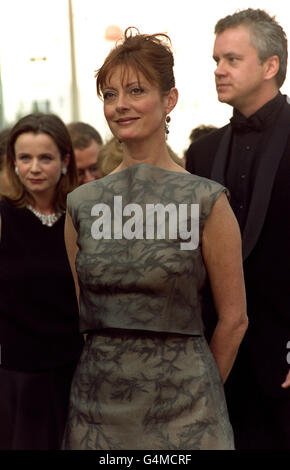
134 109
39 164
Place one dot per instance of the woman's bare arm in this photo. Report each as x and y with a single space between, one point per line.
221 248
70 237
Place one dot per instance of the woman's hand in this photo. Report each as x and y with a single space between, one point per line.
286 384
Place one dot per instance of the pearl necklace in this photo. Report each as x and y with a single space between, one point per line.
49 219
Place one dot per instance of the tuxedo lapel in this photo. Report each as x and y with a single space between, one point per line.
220 161
265 180
265 176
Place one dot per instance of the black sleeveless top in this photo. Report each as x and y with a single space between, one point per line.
38 306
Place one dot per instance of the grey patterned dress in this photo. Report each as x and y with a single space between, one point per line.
146 378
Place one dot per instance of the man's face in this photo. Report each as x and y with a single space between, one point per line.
239 74
87 163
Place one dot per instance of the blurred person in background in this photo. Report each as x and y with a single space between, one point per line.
86 142
4 181
201 131
39 335
111 155
197 132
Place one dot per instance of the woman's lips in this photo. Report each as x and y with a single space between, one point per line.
124 121
35 180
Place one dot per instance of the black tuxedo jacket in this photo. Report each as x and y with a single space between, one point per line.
266 251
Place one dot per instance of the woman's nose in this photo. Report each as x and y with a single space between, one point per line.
35 165
122 102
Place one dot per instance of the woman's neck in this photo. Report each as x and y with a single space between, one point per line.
44 205
136 153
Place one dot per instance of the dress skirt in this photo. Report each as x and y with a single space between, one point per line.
140 390
33 408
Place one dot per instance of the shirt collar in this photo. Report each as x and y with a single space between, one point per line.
261 119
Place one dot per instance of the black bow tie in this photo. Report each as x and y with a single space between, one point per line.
240 123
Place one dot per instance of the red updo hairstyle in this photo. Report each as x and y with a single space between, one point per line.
144 53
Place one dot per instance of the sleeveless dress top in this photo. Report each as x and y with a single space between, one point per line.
146 378
142 283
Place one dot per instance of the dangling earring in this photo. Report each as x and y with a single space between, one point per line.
166 126
16 170
64 170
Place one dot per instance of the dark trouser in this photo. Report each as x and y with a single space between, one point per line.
260 421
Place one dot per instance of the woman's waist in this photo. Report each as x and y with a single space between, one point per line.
119 332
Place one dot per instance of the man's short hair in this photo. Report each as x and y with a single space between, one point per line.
82 135
267 36
201 131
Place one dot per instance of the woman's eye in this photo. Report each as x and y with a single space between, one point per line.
137 91
108 95
24 158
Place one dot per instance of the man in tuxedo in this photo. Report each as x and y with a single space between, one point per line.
251 157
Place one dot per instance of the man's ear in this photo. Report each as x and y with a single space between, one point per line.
271 66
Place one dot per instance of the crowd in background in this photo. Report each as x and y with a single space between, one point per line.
94 158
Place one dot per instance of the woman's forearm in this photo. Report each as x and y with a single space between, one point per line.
225 343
